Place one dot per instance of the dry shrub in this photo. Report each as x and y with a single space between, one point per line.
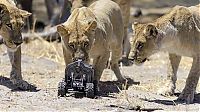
43 49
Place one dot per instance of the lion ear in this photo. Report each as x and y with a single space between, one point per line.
4 13
151 31
24 13
3 9
91 26
62 30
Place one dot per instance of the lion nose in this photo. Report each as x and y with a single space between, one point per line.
17 43
79 57
132 56
79 54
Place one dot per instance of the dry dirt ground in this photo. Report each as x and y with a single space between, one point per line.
43 66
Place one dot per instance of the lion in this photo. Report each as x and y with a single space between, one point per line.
125 6
11 24
178 33
91 33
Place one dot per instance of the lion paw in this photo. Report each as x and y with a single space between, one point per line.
123 80
186 97
23 85
125 62
167 90
124 83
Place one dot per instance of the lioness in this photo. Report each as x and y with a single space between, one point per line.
178 33
125 6
91 33
11 24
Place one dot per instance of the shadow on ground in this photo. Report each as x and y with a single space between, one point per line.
137 108
175 102
109 87
4 81
106 89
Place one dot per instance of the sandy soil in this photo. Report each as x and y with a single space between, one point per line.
43 66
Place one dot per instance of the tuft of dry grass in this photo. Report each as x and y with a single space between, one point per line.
42 49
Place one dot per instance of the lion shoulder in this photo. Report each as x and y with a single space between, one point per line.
181 17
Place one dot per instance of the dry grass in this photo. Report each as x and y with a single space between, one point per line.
43 49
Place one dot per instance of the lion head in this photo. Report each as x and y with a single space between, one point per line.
144 42
11 24
78 33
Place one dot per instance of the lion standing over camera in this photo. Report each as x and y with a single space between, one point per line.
91 33
125 6
177 33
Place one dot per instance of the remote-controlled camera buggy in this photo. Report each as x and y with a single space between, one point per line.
78 78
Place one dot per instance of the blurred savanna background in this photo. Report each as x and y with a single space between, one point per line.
43 65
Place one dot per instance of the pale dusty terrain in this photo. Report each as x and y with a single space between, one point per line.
43 66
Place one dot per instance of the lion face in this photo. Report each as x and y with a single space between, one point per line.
11 24
78 39
144 42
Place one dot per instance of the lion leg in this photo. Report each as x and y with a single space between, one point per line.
126 45
125 6
116 53
98 69
15 74
66 55
15 60
115 68
170 84
126 49
188 92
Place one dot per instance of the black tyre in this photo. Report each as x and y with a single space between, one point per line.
62 89
89 90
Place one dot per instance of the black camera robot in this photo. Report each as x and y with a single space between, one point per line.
79 78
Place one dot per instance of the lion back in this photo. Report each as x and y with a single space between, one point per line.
109 17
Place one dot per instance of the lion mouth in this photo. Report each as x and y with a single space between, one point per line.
143 60
85 59
140 61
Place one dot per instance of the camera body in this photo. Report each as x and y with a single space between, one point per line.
79 77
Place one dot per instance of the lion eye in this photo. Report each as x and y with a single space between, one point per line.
2 11
86 44
9 25
140 45
71 46
22 25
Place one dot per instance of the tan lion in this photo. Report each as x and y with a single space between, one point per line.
125 6
91 33
11 24
178 33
